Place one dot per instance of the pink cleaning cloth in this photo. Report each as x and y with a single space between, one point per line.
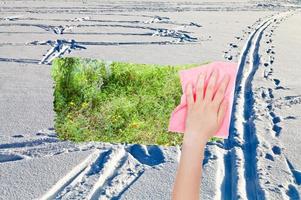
178 116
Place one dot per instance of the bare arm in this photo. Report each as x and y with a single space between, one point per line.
204 117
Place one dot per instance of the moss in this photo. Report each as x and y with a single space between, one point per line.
117 102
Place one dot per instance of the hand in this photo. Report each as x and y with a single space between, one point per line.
205 114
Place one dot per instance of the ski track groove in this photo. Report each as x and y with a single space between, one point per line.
75 173
175 35
97 172
243 137
120 177
254 191
106 174
42 147
100 176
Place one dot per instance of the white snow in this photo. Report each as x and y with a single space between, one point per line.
261 159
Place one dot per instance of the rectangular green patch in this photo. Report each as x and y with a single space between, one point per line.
115 102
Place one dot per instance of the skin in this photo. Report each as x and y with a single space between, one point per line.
205 114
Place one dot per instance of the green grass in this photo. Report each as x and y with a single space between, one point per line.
130 103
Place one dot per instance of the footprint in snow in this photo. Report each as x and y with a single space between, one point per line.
149 155
276 150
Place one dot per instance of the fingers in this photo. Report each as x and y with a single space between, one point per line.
189 95
211 86
222 111
200 87
220 92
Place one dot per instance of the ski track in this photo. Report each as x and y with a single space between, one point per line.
176 33
105 174
136 6
240 160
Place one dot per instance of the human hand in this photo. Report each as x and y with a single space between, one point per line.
205 114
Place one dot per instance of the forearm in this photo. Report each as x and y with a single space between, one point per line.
205 112
187 183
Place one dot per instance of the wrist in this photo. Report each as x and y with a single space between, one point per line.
192 151
197 139
196 144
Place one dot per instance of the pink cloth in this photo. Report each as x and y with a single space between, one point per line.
178 116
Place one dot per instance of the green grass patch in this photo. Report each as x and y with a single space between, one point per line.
117 102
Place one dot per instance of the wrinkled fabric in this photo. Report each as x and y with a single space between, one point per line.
178 116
